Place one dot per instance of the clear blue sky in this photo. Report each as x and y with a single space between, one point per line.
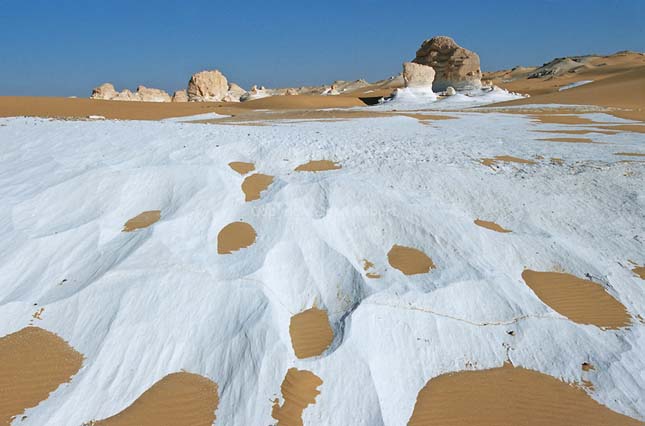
67 47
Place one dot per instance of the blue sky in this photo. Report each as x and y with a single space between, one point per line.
66 47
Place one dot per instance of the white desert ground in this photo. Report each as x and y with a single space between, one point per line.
311 260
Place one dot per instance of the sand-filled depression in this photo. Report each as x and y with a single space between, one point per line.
363 271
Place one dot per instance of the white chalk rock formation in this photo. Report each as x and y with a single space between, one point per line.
105 91
207 86
454 66
450 91
180 96
148 94
126 95
417 75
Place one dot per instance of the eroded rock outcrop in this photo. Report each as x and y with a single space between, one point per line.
454 66
207 86
148 94
180 96
105 91
417 75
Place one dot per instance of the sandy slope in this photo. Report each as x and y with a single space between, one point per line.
618 81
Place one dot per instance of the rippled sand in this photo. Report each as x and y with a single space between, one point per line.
235 236
317 166
184 399
509 396
33 363
582 301
310 332
409 260
253 185
142 220
299 390
241 167
491 225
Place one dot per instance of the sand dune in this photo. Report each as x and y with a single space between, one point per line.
33 363
508 396
619 83
178 399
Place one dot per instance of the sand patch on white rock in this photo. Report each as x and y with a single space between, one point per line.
253 185
582 301
409 260
142 220
310 332
299 390
491 225
318 166
508 396
177 399
33 363
235 236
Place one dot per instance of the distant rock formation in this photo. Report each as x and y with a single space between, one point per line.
234 93
417 75
106 91
207 86
148 94
180 96
454 66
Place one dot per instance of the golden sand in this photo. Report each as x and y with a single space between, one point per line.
578 131
253 185
509 396
562 119
235 236
310 332
142 220
636 128
640 271
367 265
505 159
184 399
570 140
409 260
317 166
12 106
241 167
33 363
491 225
631 154
582 301
618 83
299 390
